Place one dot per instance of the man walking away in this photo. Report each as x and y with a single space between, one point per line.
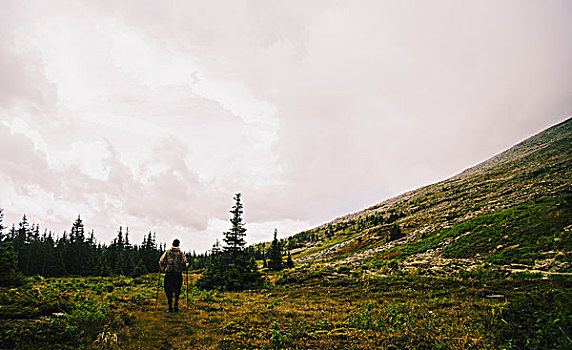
173 262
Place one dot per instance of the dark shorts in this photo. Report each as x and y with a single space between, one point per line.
173 282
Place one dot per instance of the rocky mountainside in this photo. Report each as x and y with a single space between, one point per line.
511 213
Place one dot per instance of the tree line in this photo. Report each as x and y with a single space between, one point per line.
347 228
24 251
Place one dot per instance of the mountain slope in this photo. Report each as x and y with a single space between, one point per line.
511 212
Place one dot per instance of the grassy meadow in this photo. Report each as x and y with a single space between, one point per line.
349 312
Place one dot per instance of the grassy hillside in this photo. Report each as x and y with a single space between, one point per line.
511 213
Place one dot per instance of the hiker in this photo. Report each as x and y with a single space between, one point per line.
173 262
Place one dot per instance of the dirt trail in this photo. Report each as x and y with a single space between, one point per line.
158 329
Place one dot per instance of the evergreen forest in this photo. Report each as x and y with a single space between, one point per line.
27 252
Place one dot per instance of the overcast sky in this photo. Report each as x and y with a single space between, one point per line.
152 114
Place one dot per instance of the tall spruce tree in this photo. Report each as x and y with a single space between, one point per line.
231 269
234 238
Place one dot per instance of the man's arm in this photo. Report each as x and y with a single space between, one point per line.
162 258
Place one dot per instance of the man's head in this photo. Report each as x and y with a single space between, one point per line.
176 243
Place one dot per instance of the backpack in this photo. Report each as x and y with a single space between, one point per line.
174 261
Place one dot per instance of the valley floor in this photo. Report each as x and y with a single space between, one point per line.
407 312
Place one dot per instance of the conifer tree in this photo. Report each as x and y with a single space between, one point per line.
150 253
20 243
231 269
216 248
103 268
9 274
77 233
289 261
74 253
234 238
395 232
275 254
139 268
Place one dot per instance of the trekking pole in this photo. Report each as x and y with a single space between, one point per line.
187 287
158 286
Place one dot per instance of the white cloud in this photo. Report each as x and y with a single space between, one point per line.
152 116
89 157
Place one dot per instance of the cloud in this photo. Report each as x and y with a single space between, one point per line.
174 193
152 115
29 186
172 197
22 83
20 161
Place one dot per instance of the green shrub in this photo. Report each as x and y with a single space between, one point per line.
230 273
538 320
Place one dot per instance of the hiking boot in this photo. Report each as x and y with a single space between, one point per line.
171 309
176 309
